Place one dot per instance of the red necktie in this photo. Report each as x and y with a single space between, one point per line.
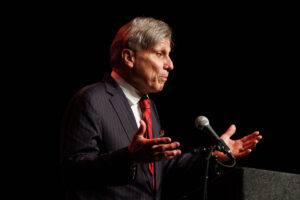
146 109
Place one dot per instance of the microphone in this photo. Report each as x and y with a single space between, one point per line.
202 124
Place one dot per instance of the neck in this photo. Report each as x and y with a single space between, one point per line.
129 78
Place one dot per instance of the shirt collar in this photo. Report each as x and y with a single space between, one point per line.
131 93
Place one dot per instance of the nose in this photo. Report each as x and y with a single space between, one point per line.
168 65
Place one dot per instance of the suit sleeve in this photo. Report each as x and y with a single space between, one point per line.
83 160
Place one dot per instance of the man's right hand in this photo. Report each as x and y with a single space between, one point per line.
143 150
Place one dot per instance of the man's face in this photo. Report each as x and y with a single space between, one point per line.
152 67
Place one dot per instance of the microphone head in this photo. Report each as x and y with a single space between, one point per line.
201 122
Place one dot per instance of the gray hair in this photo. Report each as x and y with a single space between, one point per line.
139 33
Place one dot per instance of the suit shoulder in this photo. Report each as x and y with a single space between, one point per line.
99 89
92 90
97 95
93 95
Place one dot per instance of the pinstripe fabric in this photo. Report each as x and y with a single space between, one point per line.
97 128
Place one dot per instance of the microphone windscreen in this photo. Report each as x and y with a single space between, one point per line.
201 122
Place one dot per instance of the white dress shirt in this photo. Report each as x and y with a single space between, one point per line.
132 94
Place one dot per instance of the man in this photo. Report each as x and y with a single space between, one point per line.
111 147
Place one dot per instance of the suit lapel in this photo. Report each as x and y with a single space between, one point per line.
122 107
125 114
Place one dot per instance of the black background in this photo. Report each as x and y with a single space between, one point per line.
235 64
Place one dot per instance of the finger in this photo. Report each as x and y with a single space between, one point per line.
259 137
165 147
166 155
141 130
177 153
244 153
251 136
250 145
157 141
230 131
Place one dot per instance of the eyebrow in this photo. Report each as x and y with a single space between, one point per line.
161 49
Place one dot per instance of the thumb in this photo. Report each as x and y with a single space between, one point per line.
141 130
230 131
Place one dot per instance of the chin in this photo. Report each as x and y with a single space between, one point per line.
159 89
155 90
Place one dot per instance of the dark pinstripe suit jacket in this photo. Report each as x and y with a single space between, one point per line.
97 128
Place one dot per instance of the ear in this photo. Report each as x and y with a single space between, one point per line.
128 57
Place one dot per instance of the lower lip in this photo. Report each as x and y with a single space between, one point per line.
164 78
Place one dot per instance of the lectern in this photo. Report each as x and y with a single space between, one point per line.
255 184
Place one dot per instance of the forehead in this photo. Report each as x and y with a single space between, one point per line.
163 44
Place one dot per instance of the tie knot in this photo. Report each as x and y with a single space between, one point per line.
144 102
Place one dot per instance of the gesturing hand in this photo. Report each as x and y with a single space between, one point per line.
240 147
143 150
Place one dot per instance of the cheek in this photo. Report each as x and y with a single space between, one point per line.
157 81
155 75
143 70
150 74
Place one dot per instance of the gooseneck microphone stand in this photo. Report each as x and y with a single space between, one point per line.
208 154
208 157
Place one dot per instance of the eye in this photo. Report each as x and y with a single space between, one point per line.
159 53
